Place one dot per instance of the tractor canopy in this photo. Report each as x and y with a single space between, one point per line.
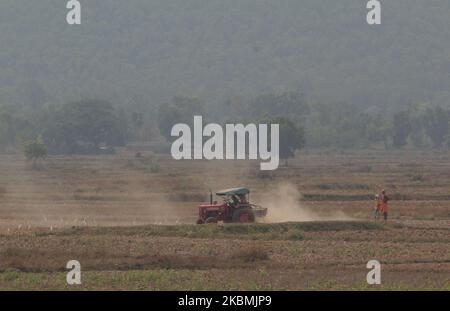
235 191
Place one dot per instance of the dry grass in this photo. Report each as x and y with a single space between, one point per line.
130 224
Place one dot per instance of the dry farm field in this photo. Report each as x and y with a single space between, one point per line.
130 222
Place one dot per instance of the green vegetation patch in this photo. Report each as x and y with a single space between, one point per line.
279 231
338 186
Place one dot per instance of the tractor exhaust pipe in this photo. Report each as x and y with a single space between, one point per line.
210 197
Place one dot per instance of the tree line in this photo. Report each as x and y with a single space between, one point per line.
97 126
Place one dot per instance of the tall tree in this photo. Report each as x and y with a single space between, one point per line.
84 125
436 123
180 110
401 129
292 137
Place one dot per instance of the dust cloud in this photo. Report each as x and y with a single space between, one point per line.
284 205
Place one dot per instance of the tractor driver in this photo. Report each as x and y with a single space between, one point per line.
242 199
235 200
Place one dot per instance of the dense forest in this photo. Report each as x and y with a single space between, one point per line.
137 66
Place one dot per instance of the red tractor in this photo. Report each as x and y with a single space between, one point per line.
234 208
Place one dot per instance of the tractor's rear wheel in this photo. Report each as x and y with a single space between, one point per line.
211 220
243 216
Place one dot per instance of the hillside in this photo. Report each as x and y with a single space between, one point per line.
148 51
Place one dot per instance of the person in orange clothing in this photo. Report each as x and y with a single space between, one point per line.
384 208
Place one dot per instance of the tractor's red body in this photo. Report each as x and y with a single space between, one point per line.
234 208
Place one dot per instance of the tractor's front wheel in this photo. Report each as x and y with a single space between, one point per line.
243 216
